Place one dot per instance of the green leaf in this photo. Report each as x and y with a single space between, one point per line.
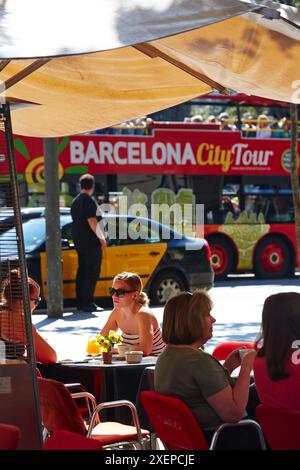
72 170
21 147
62 145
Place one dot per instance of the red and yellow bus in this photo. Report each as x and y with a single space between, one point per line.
242 181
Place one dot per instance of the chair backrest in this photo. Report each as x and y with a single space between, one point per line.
280 426
66 440
58 409
173 422
9 437
222 350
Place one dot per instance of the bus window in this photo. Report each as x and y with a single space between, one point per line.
276 209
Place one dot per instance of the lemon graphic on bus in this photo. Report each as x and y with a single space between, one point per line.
245 231
35 170
35 173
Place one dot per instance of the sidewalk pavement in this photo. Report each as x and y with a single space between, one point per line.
237 309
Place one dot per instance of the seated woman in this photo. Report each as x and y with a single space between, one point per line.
186 371
276 366
131 314
12 325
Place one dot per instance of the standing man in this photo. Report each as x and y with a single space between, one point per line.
89 242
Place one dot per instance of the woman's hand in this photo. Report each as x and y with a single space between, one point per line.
232 361
248 359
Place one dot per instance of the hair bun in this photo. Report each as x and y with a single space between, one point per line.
143 299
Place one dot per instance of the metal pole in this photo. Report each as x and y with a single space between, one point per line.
53 232
239 120
294 170
23 273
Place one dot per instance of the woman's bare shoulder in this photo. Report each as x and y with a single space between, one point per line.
146 311
115 312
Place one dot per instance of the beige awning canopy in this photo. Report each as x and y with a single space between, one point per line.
121 70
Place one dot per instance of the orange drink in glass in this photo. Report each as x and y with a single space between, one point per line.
93 348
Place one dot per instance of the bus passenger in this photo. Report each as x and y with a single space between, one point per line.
283 130
224 123
263 130
211 119
197 118
248 126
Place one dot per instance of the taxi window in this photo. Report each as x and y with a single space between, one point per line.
33 233
66 232
120 232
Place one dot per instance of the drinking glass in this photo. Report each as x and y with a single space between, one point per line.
93 348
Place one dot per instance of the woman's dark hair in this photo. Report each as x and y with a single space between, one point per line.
183 320
280 327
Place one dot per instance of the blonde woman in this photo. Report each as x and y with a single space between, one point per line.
132 315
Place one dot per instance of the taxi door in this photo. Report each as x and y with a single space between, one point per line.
69 266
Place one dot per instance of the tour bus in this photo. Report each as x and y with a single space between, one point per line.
238 175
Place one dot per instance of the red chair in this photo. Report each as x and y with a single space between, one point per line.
222 350
59 412
85 404
9 437
66 440
176 426
280 426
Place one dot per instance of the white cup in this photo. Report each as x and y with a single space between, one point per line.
122 349
134 357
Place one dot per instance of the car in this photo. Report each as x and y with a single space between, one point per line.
167 262
27 213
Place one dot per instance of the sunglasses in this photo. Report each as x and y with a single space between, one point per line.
119 292
36 301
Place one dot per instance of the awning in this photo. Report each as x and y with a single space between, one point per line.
133 58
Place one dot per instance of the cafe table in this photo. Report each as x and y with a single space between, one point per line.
107 382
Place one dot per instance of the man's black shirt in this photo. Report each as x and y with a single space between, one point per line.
83 208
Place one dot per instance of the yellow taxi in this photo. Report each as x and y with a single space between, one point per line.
167 261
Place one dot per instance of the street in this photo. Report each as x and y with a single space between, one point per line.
237 308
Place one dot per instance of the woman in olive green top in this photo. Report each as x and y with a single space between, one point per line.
185 371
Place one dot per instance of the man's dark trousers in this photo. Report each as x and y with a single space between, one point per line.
89 264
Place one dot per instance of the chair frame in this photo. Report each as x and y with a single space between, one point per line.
243 422
90 400
195 424
139 442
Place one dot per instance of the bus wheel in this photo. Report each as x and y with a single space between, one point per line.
166 285
222 259
272 258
